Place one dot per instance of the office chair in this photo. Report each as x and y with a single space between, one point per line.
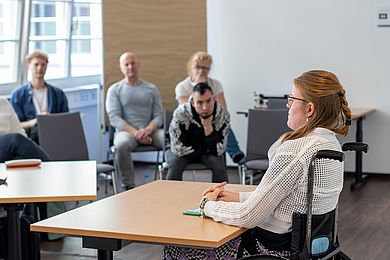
272 102
62 137
193 167
265 126
141 148
277 102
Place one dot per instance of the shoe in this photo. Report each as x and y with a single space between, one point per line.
238 157
127 187
242 161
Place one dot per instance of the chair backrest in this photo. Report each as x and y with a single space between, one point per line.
322 230
277 103
315 235
62 136
168 115
265 126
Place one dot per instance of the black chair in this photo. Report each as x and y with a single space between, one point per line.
193 167
272 102
265 126
111 151
62 137
276 102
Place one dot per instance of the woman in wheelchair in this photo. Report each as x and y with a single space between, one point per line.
318 111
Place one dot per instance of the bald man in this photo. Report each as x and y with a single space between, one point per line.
134 109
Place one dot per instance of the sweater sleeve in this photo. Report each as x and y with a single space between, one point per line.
157 108
277 183
176 134
114 110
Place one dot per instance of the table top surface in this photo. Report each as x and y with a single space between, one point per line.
150 213
51 181
357 112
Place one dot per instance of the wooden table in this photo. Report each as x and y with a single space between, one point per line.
150 213
52 181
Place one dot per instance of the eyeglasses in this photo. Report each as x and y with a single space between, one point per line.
291 99
202 68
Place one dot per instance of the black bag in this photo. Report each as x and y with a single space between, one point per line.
321 224
30 241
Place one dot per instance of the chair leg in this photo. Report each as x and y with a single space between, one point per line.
157 166
243 174
239 171
251 179
160 172
162 168
114 176
106 184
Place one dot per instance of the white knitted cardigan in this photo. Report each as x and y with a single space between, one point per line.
282 190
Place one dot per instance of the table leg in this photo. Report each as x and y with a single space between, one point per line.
104 246
360 179
105 254
13 220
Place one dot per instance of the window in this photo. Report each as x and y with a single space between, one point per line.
9 39
53 32
86 39
69 31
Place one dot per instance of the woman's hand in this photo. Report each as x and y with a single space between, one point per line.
218 192
219 185
214 194
228 196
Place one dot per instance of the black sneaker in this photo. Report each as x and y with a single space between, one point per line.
127 187
238 157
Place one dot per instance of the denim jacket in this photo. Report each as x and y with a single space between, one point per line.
21 101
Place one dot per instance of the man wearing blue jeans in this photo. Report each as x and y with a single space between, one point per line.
198 133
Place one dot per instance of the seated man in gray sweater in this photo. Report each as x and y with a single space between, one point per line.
134 109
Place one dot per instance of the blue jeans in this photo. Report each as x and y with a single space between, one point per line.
176 166
232 147
16 146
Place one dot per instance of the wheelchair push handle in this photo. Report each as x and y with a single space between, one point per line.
355 146
330 154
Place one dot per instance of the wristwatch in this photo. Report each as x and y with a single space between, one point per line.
202 203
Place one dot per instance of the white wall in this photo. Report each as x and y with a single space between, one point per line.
261 45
